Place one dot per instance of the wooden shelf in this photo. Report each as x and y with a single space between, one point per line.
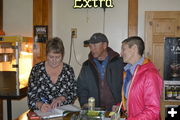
15 39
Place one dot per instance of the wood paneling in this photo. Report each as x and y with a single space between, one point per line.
1 14
42 15
132 17
1 27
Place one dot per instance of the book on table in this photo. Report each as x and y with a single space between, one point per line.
58 112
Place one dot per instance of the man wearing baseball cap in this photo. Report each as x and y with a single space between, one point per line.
101 75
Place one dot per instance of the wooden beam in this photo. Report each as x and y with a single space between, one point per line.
1 28
42 15
1 14
132 17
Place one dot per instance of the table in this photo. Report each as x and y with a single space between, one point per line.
67 117
24 117
9 97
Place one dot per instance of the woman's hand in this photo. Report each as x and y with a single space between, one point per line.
57 101
43 107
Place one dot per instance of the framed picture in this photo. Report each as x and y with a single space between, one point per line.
40 33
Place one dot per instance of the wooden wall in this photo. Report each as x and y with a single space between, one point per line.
42 15
1 27
132 17
1 14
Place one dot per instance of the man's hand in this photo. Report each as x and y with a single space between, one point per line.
115 108
85 106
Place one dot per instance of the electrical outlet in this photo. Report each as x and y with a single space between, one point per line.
74 32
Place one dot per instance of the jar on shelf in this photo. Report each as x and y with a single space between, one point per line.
174 92
166 91
178 92
169 92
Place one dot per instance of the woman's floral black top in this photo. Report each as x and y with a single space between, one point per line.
41 87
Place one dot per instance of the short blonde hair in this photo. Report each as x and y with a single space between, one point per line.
55 45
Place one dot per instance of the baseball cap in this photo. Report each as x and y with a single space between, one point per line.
96 38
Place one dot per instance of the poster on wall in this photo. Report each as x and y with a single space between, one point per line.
40 33
172 59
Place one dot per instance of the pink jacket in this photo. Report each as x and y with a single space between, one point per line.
144 93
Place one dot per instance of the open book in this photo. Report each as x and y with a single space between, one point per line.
58 112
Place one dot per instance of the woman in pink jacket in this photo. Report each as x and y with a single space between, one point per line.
142 86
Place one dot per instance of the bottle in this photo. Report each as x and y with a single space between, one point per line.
169 92
174 92
91 103
166 92
178 93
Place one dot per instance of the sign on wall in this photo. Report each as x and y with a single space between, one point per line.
93 4
40 33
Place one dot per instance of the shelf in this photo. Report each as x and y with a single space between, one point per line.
15 39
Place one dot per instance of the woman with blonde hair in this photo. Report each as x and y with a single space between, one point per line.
51 82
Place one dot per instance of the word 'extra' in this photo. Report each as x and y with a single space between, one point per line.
93 3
